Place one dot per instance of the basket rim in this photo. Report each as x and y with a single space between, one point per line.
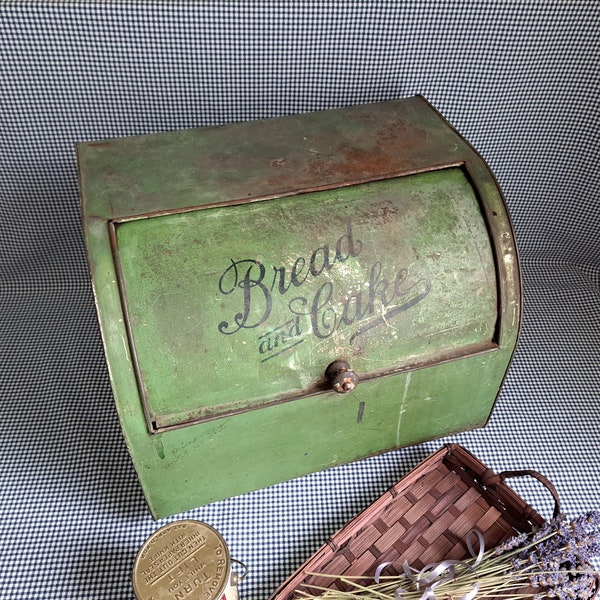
513 509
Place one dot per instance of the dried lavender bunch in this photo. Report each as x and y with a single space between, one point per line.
553 559
557 557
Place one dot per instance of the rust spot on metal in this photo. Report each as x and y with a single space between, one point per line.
386 154
387 211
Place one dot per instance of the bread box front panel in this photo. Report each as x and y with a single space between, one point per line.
281 296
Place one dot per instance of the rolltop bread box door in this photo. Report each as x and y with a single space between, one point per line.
281 296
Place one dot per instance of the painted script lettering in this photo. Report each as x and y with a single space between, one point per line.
250 276
328 307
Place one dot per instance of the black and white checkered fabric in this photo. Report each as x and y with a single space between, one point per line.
518 78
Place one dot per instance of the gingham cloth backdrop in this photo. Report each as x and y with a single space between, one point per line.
518 79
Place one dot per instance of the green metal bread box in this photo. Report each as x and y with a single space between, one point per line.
281 296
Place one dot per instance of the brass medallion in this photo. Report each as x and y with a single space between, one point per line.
183 560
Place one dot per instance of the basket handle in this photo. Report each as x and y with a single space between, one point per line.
528 473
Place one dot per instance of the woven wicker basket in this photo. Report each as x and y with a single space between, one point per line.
423 519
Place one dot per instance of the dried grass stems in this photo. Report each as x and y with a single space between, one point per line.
551 562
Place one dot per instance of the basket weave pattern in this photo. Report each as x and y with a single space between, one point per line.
422 519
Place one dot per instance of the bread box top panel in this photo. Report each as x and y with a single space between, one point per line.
240 162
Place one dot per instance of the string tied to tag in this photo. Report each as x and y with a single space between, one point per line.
434 575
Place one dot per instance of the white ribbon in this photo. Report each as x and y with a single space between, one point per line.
430 577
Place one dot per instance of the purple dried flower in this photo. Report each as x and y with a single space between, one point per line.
558 556
514 542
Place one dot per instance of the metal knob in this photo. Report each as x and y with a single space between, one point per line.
341 377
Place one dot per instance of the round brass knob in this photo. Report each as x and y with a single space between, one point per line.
341 377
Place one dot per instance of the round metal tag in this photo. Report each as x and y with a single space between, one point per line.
184 560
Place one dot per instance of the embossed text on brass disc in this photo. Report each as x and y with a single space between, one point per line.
185 559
